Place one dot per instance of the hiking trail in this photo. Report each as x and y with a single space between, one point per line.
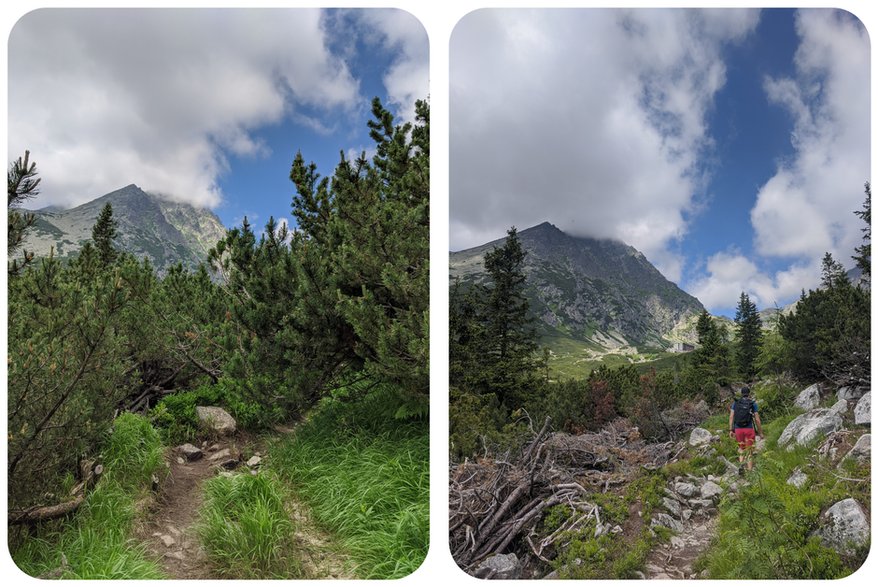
169 516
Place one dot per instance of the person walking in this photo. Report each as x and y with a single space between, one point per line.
743 415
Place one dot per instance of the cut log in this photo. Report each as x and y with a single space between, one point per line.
44 513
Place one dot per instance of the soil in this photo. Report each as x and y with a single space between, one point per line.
168 527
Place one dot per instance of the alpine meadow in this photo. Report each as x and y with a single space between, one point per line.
660 296
190 401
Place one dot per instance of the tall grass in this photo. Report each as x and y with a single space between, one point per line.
95 543
245 529
365 477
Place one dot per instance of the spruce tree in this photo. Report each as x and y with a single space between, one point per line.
103 233
749 333
832 273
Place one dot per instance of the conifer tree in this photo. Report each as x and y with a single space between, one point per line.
749 334
832 273
103 233
863 258
22 183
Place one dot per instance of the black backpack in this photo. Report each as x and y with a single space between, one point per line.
744 413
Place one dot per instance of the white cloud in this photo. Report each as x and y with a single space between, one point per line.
806 208
729 273
591 119
103 98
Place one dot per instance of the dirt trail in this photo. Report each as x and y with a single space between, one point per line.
169 523
674 559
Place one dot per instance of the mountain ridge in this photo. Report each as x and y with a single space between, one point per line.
600 292
149 225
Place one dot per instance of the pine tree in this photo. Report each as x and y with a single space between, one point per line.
103 233
22 183
704 327
749 334
832 273
863 258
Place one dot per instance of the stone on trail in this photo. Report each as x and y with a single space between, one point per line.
844 526
809 427
500 566
672 506
662 519
850 393
710 490
254 461
808 398
699 437
190 452
863 410
685 489
168 541
216 419
222 454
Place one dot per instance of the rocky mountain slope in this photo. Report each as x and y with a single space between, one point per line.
602 293
166 232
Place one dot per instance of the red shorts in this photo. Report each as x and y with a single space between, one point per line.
745 437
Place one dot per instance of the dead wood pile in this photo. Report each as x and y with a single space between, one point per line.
497 503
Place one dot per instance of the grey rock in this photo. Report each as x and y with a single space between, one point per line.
699 437
797 479
500 566
677 542
862 450
839 407
710 490
222 454
808 398
700 503
844 526
168 541
229 464
190 452
216 419
686 514
685 489
181 461
662 519
672 505
863 410
809 427
254 461
850 393
177 555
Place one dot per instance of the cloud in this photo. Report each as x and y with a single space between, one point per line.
594 120
729 273
103 98
407 79
806 208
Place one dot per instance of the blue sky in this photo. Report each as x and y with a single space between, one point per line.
207 106
729 145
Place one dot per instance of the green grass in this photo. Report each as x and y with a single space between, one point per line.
245 529
365 477
95 543
766 531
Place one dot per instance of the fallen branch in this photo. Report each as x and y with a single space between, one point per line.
49 512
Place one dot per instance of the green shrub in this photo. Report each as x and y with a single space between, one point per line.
95 542
245 529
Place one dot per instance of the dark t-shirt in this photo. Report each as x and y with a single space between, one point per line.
755 409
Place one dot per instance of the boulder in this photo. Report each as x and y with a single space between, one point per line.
221 454
672 505
844 526
808 398
215 419
850 393
699 437
809 427
685 489
862 450
710 490
839 407
662 519
798 478
190 452
700 503
863 410
254 461
499 566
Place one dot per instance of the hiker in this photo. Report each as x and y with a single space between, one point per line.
743 414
